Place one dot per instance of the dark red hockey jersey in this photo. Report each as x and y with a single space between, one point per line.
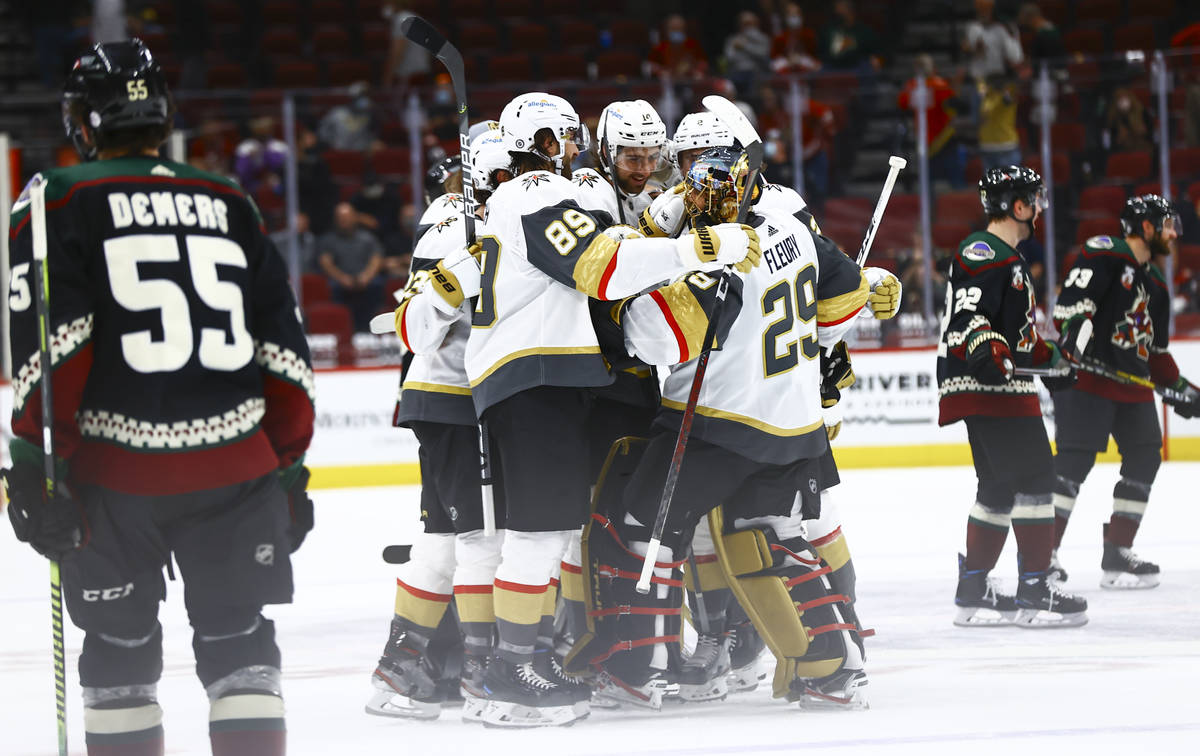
179 360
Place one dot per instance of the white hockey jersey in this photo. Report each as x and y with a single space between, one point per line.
435 387
761 395
450 203
666 216
596 193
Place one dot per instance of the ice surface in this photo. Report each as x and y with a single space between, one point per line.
1124 683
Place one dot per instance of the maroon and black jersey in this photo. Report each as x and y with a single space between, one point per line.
1129 308
988 289
179 360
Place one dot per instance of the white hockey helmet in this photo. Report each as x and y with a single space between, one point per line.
529 113
489 154
482 127
629 123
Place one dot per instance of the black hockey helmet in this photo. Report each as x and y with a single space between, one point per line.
1149 207
1000 188
440 179
113 86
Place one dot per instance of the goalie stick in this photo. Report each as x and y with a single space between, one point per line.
744 132
895 165
425 35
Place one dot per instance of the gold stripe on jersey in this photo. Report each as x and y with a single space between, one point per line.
744 420
436 388
647 225
532 352
837 309
688 314
592 264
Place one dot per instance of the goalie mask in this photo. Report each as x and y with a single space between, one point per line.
528 114
1162 216
716 184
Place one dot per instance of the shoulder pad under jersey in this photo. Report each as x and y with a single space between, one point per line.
593 192
781 197
529 193
441 238
447 204
1108 245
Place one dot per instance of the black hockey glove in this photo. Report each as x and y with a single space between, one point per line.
1190 406
989 359
1068 339
836 374
295 482
54 527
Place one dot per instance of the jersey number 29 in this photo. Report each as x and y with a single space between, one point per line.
802 307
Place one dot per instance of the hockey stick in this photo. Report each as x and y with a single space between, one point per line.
895 165
423 34
41 290
745 133
1082 339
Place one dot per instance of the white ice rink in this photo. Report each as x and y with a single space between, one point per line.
1125 683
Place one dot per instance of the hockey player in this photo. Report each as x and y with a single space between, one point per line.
1118 284
453 557
631 142
988 328
182 406
531 357
757 439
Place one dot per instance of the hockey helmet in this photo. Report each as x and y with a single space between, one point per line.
1153 208
445 176
1000 188
698 131
488 156
630 123
482 128
529 113
718 176
113 86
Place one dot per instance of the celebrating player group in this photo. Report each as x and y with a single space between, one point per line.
649 370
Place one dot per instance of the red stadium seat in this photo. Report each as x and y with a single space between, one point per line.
958 207
528 37
1067 136
510 68
555 66
1148 187
1107 11
1189 256
589 101
476 36
1084 41
476 9
226 76
282 12
295 74
1101 202
327 12
345 163
280 40
393 161
949 235
1060 163
1185 162
330 317
850 209
1128 167
1139 36
314 287
618 63
1089 227
331 40
631 33
344 72
376 38
575 34
974 171
223 13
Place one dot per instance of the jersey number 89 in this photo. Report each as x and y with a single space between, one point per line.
563 238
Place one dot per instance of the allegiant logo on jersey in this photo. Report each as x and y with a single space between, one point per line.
782 254
168 209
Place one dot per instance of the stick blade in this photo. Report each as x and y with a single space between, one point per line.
733 117
423 33
397 554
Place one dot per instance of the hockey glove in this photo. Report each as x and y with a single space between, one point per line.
1050 355
836 371
1068 340
54 527
884 299
666 213
989 359
294 480
1190 406
454 279
712 247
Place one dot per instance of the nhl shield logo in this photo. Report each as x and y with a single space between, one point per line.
812 485
264 554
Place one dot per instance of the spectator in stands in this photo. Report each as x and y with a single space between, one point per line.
378 207
1126 123
442 113
910 269
848 45
306 242
351 126
678 54
352 258
54 38
1045 43
946 158
999 140
405 62
992 49
259 159
794 50
396 263
747 54
211 146
317 190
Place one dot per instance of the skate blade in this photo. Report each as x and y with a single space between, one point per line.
745 679
388 703
1125 581
648 696
977 616
713 690
512 715
853 699
472 708
1039 619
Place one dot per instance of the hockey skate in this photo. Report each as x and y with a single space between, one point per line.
745 648
548 665
1042 603
612 690
844 690
702 676
1124 570
1057 572
471 686
979 600
520 697
405 680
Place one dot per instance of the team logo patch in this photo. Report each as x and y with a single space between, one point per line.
979 251
454 200
812 485
587 179
1018 278
161 170
533 179
454 513
445 223
1101 242
264 554
1127 278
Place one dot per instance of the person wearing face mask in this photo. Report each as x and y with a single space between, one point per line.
378 207
1119 285
678 54
351 126
987 331
747 54
794 50
405 61
1126 124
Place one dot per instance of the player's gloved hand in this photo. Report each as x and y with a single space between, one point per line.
836 371
294 480
1189 406
455 278
53 526
832 415
666 214
884 299
989 358
1068 340
712 247
1049 354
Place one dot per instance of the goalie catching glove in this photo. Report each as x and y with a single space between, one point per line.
886 291
712 247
